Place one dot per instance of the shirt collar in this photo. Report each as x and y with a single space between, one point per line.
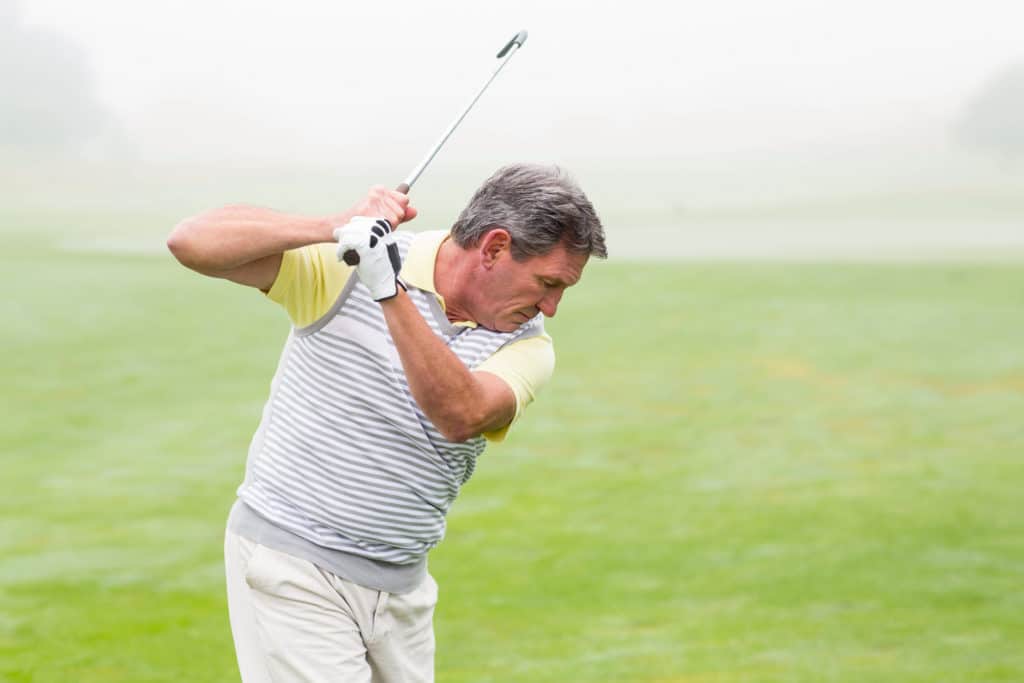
420 260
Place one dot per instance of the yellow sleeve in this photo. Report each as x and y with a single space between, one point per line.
309 282
525 366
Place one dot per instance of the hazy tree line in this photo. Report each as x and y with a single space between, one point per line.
49 104
49 101
993 120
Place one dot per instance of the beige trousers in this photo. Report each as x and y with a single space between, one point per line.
293 621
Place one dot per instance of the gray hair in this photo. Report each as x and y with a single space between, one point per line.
540 207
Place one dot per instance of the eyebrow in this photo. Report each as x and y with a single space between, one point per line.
556 281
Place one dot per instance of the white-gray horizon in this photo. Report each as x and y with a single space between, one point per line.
842 114
337 83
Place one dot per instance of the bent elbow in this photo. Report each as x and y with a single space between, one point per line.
458 433
182 244
178 243
464 427
455 427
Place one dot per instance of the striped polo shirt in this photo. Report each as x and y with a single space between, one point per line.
345 469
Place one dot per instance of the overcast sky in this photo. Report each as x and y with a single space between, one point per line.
322 81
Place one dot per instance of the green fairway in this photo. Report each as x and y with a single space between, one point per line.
740 473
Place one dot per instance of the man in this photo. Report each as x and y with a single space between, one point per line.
391 382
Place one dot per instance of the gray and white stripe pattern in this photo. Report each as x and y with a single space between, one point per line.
344 457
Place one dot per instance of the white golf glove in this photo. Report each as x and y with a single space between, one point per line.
379 262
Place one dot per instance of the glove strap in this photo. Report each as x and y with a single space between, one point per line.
398 283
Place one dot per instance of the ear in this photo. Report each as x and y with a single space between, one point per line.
493 244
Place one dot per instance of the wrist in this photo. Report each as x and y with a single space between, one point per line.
400 290
327 226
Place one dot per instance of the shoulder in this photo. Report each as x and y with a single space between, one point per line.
526 365
309 281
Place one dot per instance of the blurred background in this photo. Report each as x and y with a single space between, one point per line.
739 129
784 439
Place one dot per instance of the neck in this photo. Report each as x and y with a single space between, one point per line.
449 274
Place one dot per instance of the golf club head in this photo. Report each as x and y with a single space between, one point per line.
517 40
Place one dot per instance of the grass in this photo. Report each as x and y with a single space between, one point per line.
740 473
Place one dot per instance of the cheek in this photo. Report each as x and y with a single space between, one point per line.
525 296
517 290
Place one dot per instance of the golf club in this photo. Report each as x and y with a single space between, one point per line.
351 257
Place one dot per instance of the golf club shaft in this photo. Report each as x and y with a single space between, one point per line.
351 257
415 174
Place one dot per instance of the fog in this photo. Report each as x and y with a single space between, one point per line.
720 104
307 80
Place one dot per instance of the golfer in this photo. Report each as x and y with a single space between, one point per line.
395 375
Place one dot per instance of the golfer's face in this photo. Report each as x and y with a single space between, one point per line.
521 289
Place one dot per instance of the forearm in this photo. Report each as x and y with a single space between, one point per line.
460 403
227 238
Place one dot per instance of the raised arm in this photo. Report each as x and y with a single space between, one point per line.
460 403
244 243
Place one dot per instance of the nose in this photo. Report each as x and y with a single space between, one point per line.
549 304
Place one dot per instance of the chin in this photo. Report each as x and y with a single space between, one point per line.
507 323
